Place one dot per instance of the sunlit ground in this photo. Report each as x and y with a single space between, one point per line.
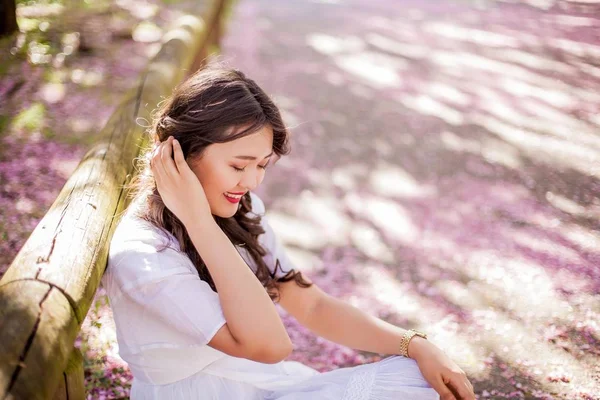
444 176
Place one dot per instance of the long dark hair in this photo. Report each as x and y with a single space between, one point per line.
200 112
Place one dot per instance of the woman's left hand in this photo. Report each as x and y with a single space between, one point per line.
446 378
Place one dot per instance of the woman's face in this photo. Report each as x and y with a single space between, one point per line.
233 167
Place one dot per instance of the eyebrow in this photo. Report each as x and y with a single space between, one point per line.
252 157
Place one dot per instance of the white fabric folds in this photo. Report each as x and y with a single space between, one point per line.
165 315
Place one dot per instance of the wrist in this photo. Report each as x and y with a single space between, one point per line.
407 342
200 227
194 218
415 346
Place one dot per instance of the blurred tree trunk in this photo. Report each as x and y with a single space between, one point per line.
8 17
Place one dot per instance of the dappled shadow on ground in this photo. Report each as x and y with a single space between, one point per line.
60 79
445 174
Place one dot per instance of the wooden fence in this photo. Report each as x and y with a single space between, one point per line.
47 291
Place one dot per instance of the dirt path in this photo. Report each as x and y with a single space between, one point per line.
444 175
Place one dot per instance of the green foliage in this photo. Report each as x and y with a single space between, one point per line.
96 324
30 119
48 133
53 75
38 2
28 24
4 121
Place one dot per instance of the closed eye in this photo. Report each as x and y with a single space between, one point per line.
243 169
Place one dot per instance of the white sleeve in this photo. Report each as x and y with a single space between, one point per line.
270 242
165 295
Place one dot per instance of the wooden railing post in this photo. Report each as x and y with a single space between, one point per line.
216 22
72 386
47 291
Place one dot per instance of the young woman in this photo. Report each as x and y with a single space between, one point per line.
194 269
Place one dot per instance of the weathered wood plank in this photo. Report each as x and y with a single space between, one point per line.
68 247
41 343
48 289
72 386
20 303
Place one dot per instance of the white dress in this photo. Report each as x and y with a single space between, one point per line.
165 315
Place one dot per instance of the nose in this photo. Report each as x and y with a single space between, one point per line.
251 179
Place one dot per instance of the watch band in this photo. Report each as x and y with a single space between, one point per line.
406 340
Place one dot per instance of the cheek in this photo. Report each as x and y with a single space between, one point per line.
220 180
261 178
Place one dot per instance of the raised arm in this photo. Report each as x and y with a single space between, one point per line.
253 330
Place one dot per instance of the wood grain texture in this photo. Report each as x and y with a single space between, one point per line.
71 385
48 289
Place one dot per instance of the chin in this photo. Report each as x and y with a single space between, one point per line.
225 214
223 210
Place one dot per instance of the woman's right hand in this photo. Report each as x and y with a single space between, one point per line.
178 186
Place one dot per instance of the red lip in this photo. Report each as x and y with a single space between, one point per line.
232 200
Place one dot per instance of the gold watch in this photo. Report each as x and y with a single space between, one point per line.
406 340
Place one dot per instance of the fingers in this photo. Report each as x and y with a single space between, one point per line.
440 387
464 388
166 158
159 161
180 162
156 164
460 387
